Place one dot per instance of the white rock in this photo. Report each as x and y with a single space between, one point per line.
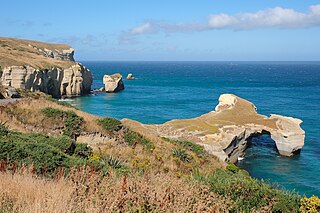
113 83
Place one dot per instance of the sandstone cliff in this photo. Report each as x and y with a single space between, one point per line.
226 132
39 66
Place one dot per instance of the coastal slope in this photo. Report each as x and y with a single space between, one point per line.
38 66
227 131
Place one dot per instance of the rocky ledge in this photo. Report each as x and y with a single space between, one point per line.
227 131
38 66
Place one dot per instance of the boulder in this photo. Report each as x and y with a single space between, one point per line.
113 83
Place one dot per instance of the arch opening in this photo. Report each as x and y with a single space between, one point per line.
259 144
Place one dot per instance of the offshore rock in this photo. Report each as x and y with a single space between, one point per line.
130 77
113 83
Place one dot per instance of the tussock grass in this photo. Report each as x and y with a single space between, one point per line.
84 191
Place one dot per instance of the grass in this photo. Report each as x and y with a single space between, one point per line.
133 138
188 145
110 124
181 155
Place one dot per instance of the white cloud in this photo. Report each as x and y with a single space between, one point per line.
145 28
278 17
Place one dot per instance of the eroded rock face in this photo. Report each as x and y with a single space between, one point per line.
227 131
113 83
64 54
58 82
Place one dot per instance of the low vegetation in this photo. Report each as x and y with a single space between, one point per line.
110 124
196 148
72 122
133 138
249 194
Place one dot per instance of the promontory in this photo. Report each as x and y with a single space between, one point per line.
38 66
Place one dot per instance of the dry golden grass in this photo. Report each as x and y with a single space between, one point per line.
81 191
17 52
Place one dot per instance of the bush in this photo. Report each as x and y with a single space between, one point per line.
72 122
110 124
181 154
43 152
310 205
251 194
43 157
83 151
232 168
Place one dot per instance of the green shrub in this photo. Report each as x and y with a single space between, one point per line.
72 122
43 157
82 151
110 124
43 152
232 168
250 194
181 154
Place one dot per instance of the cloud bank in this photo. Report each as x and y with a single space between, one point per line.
278 17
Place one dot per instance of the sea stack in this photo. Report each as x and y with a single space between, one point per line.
131 77
113 83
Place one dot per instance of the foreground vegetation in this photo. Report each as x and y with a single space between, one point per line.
42 173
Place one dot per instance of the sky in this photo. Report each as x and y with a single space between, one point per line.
170 30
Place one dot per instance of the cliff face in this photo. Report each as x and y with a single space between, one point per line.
227 131
38 66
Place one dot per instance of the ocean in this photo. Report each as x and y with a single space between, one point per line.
178 90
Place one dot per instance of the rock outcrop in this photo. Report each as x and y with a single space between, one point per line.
38 66
227 131
113 83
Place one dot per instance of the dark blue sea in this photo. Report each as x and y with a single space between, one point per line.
176 90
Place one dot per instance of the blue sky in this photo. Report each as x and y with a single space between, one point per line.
163 30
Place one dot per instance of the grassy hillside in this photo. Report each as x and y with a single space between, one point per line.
44 168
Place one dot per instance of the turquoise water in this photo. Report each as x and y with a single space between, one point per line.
176 90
